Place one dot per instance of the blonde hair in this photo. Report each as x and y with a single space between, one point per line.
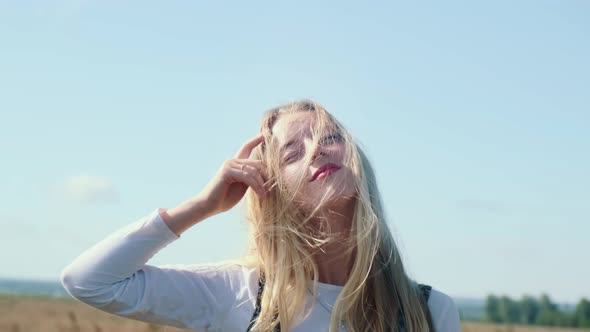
378 289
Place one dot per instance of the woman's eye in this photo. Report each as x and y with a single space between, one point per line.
331 139
292 156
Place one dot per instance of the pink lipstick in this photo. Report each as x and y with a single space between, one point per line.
324 171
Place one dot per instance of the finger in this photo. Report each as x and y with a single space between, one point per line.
250 176
235 175
247 148
255 174
259 164
260 179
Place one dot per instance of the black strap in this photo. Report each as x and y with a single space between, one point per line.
258 305
426 295
424 289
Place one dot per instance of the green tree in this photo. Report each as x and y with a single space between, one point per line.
492 309
582 314
529 310
549 314
509 310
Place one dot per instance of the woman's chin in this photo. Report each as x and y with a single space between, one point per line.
330 201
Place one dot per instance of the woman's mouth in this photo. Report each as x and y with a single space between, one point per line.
325 171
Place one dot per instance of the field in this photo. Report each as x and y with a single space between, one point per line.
35 314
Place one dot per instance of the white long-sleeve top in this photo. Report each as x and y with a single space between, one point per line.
113 276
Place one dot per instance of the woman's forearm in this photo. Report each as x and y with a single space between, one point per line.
185 215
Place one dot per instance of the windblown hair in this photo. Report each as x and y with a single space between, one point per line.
282 242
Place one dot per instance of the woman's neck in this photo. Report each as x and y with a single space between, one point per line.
334 266
335 258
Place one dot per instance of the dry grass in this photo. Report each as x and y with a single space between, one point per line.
484 327
31 314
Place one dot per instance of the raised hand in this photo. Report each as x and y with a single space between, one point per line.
235 176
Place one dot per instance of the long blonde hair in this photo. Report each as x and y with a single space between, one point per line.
378 289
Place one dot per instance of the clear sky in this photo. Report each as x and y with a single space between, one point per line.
475 115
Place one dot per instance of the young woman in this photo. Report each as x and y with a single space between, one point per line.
322 257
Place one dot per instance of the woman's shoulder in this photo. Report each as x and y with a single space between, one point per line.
438 299
443 311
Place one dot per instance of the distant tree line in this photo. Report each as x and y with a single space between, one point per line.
532 311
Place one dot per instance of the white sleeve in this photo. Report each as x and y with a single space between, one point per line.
444 312
112 276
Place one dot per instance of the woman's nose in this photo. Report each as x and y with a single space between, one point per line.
318 152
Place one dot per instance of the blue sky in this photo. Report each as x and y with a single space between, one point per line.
475 116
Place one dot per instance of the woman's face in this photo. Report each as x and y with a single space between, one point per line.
293 133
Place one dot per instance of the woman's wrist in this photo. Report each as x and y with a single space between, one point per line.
185 215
